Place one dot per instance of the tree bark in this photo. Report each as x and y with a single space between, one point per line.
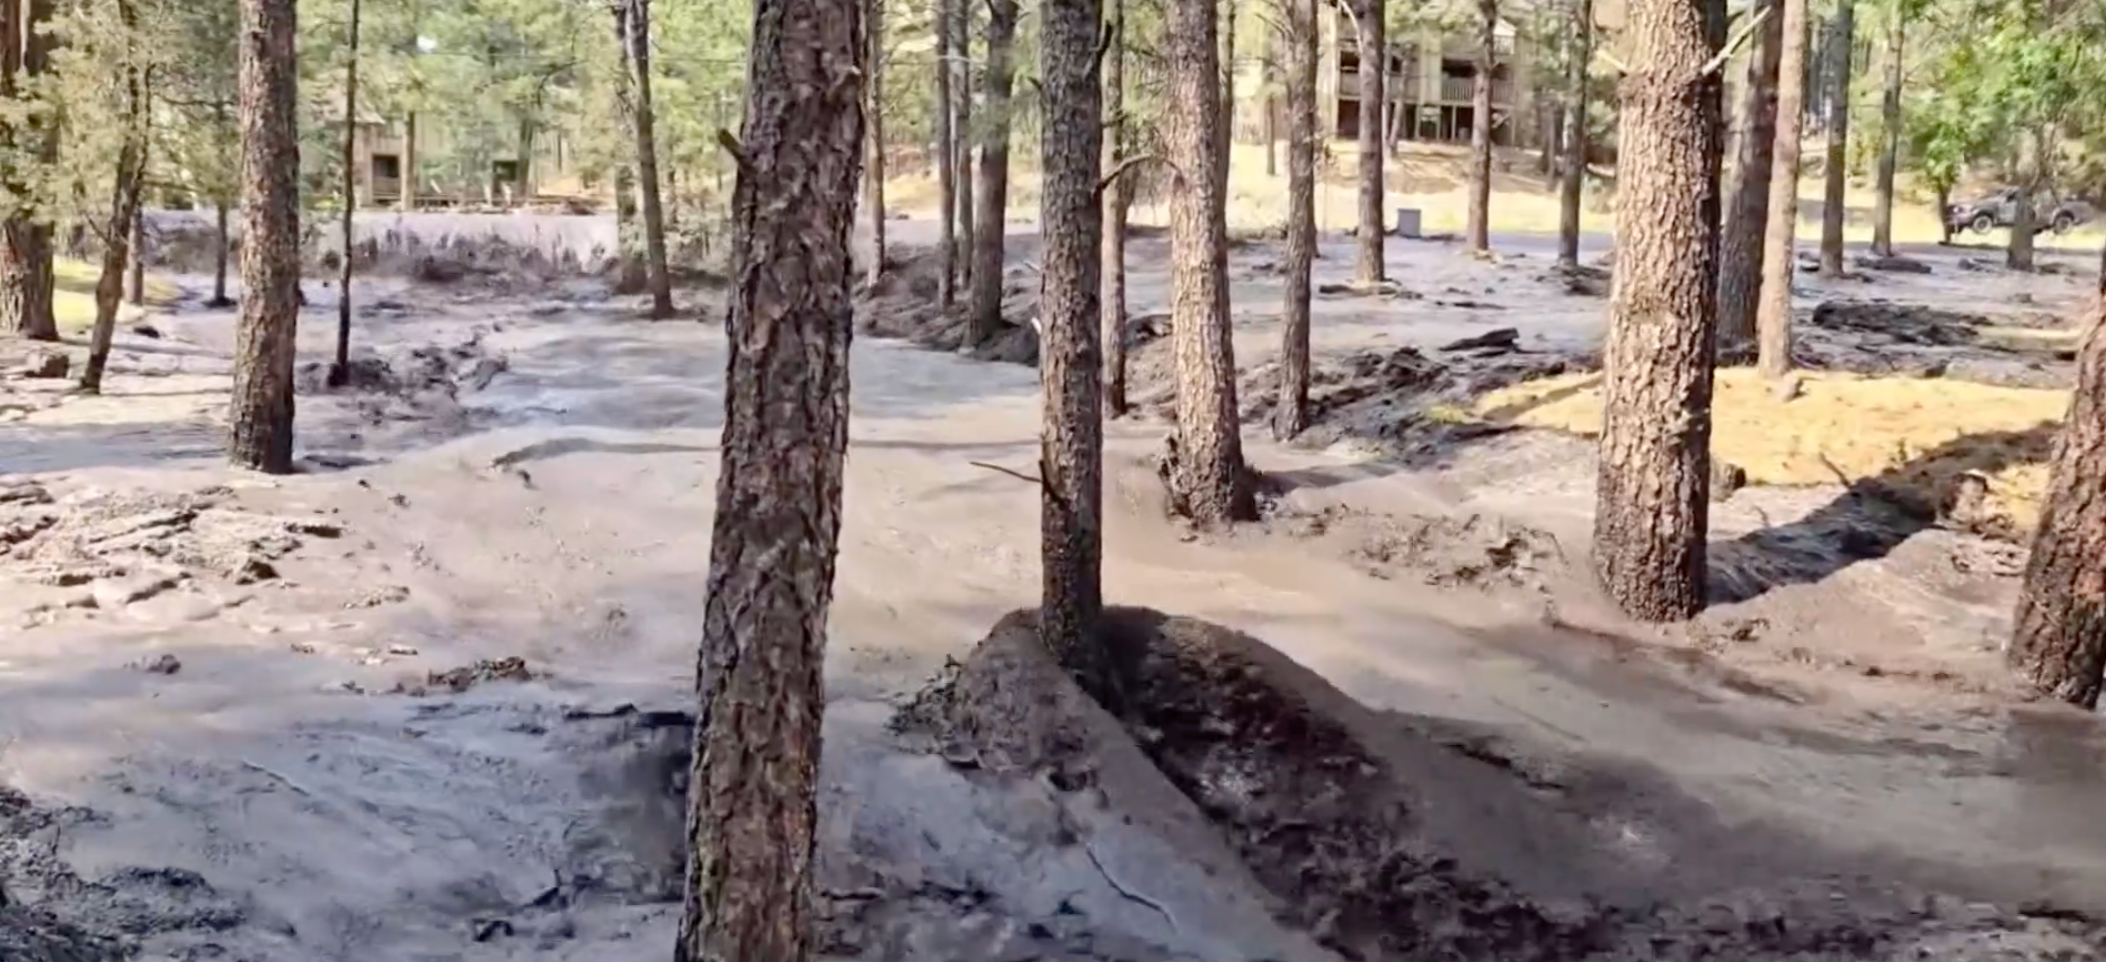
2019 255
946 163
1889 140
261 433
340 370
1290 415
1773 313
1572 188
1071 510
1208 480
962 48
2058 641
407 199
1748 196
1652 494
1224 156
874 127
25 238
135 287
1270 73
634 275
222 244
1836 171
1369 14
1112 274
753 809
991 226
121 230
639 41
1477 229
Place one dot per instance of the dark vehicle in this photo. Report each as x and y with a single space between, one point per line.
2001 209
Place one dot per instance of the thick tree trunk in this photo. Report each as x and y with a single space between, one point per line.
407 199
1112 303
1748 196
1477 231
2058 641
634 275
1071 509
647 161
1652 494
261 432
222 244
753 808
1572 188
1889 140
1773 313
946 162
1369 269
340 371
1208 480
991 227
962 88
874 127
1291 414
1836 167
121 230
25 240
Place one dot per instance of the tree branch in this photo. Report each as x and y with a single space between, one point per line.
1735 42
731 146
1019 475
1119 171
1104 42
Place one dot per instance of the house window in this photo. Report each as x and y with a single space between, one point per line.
387 167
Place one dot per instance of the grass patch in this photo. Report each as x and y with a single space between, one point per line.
1915 438
73 295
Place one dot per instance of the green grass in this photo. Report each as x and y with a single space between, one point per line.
73 296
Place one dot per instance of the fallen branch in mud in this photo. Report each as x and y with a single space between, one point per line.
1019 475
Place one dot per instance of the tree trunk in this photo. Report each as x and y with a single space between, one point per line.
261 433
409 185
1573 186
1478 228
222 244
1112 274
1944 201
1652 493
1773 313
524 184
647 161
1071 510
25 240
135 290
992 218
946 163
753 810
2019 255
1890 140
962 48
1208 480
1836 168
1272 109
2058 641
1223 158
121 230
634 276
340 371
874 127
1369 268
1748 198
1290 415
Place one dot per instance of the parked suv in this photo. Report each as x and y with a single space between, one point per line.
2001 210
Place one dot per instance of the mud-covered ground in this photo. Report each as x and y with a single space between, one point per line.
430 697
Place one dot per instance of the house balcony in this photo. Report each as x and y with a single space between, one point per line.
1458 90
1464 47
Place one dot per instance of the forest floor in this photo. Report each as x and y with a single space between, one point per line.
429 698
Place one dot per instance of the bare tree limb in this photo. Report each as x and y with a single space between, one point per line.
1104 41
732 146
1737 41
1125 165
1019 475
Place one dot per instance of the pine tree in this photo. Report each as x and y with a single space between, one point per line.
1773 312
1748 193
991 218
261 433
1652 492
1836 173
1478 226
1291 413
1374 46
